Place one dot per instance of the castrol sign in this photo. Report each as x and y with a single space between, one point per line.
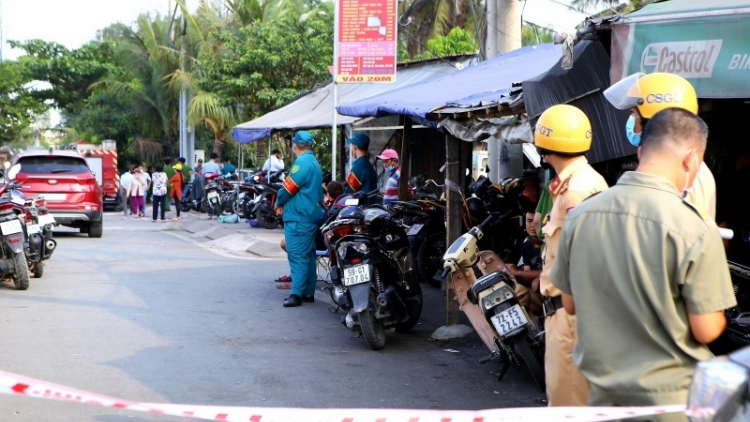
689 59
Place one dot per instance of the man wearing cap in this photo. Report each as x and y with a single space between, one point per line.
362 176
274 163
389 158
298 202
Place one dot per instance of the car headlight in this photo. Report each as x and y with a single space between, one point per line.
719 392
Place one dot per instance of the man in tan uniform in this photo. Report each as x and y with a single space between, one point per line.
647 95
651 295
562 136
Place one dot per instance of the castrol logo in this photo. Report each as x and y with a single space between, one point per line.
689 59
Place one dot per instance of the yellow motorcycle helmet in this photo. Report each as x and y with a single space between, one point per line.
653 93
563 128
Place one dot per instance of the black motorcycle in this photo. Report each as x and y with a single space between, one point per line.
263 208
39 227
371 269
425 219
13 237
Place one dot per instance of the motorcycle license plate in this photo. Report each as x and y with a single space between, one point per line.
357 274
10 227
33 228
415 228
46 219
509 320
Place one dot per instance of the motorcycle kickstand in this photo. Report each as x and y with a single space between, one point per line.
503 370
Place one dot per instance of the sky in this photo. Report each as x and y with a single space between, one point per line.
75 22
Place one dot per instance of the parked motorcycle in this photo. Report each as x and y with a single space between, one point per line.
425 219
371 269
39 227
719 389
263 209
212 197
13 263
495 304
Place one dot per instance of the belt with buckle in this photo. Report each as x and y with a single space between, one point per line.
551 305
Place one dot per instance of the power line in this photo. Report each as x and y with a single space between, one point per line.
428 49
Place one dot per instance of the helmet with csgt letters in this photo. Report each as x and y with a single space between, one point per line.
563 128
653 93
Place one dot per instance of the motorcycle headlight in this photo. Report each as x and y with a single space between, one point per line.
719 392
498 296
351 250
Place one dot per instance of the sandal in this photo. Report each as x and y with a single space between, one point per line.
284 279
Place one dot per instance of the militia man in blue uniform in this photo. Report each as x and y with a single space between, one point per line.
298 201
362 176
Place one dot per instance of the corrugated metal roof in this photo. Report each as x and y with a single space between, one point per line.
315 109
674 8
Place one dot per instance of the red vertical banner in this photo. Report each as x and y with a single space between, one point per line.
367 41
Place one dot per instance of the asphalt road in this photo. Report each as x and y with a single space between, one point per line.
147 314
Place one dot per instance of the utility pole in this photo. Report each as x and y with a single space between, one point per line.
187 135
2 38
503 35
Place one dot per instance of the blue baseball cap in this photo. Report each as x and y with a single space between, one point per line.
361 140
303 137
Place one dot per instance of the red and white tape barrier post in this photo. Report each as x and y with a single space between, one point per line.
23 386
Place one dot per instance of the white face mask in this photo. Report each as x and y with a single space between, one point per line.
687 188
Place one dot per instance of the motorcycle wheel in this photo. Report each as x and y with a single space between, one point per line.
235 208
430 258
203 206
38 270
372 330
534 361
185 206
21 277
414 312
267 219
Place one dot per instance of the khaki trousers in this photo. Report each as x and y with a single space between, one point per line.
566 386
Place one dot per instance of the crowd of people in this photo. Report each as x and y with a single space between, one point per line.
163 186
631 280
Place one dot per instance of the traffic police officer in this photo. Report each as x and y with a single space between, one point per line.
562 137
298 202
647 95
362 176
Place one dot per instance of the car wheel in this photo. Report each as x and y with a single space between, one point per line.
96 229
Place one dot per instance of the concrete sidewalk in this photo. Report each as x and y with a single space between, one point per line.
237 238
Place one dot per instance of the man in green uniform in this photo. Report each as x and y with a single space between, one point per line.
186 170
362 176
646 274
298 202
563 135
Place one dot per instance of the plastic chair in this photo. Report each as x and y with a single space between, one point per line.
323 266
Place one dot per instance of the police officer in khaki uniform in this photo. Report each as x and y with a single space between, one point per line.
645 95
650 295
562 137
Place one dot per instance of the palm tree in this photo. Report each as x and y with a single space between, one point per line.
422 20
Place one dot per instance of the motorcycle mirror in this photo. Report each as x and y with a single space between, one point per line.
13 172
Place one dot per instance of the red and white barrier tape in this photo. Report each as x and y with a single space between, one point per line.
23 386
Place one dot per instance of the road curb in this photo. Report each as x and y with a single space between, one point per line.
236 238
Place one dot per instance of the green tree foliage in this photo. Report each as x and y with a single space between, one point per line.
18 106
423 20
457 41
69 73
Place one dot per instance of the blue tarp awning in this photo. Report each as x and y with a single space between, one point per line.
315 109
483 84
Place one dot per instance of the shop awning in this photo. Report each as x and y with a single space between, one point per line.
481 85
582 86
315 109
707 42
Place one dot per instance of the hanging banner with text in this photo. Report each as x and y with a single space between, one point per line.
367 41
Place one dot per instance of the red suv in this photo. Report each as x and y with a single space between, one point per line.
73 196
